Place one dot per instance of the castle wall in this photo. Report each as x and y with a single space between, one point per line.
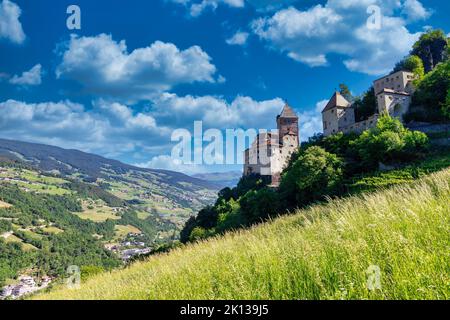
359 127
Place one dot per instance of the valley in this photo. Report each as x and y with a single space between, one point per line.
50 206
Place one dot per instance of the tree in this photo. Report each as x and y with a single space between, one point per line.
429 99
316 173
345 92
258 205
415 65
187 230
432 48
230 216
366 106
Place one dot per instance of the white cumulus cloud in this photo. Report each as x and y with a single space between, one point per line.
104 66
10 26
238 39
110 129
197 7
32 77
165 162
216 112
414 10
340 27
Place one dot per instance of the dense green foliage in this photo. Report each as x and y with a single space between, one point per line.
315 174
95 192
53 253
412 64
12 259
365 106
389 142
429 102
431 48
322 168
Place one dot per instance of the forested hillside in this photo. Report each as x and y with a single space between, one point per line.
64 207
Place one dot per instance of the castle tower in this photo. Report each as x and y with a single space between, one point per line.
279 148
338 114
287 124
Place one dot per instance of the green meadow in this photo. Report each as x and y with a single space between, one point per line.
388 244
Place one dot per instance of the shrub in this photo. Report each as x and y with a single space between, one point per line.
199 233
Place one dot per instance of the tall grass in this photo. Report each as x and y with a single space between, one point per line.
323 252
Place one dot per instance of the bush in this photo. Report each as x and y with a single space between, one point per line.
199 233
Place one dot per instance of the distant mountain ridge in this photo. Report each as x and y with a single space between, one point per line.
224 179
70 161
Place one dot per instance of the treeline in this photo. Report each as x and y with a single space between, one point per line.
95 192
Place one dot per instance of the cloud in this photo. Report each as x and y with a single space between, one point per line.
10 26
215 112
321 105
197 7
29 78
310 124
110 129
115 130
340 27
165 162
414 10
238 39
104 66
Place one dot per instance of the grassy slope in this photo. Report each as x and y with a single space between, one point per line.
319 253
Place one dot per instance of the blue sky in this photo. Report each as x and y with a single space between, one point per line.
137 69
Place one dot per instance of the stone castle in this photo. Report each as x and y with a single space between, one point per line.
393 94
270 153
